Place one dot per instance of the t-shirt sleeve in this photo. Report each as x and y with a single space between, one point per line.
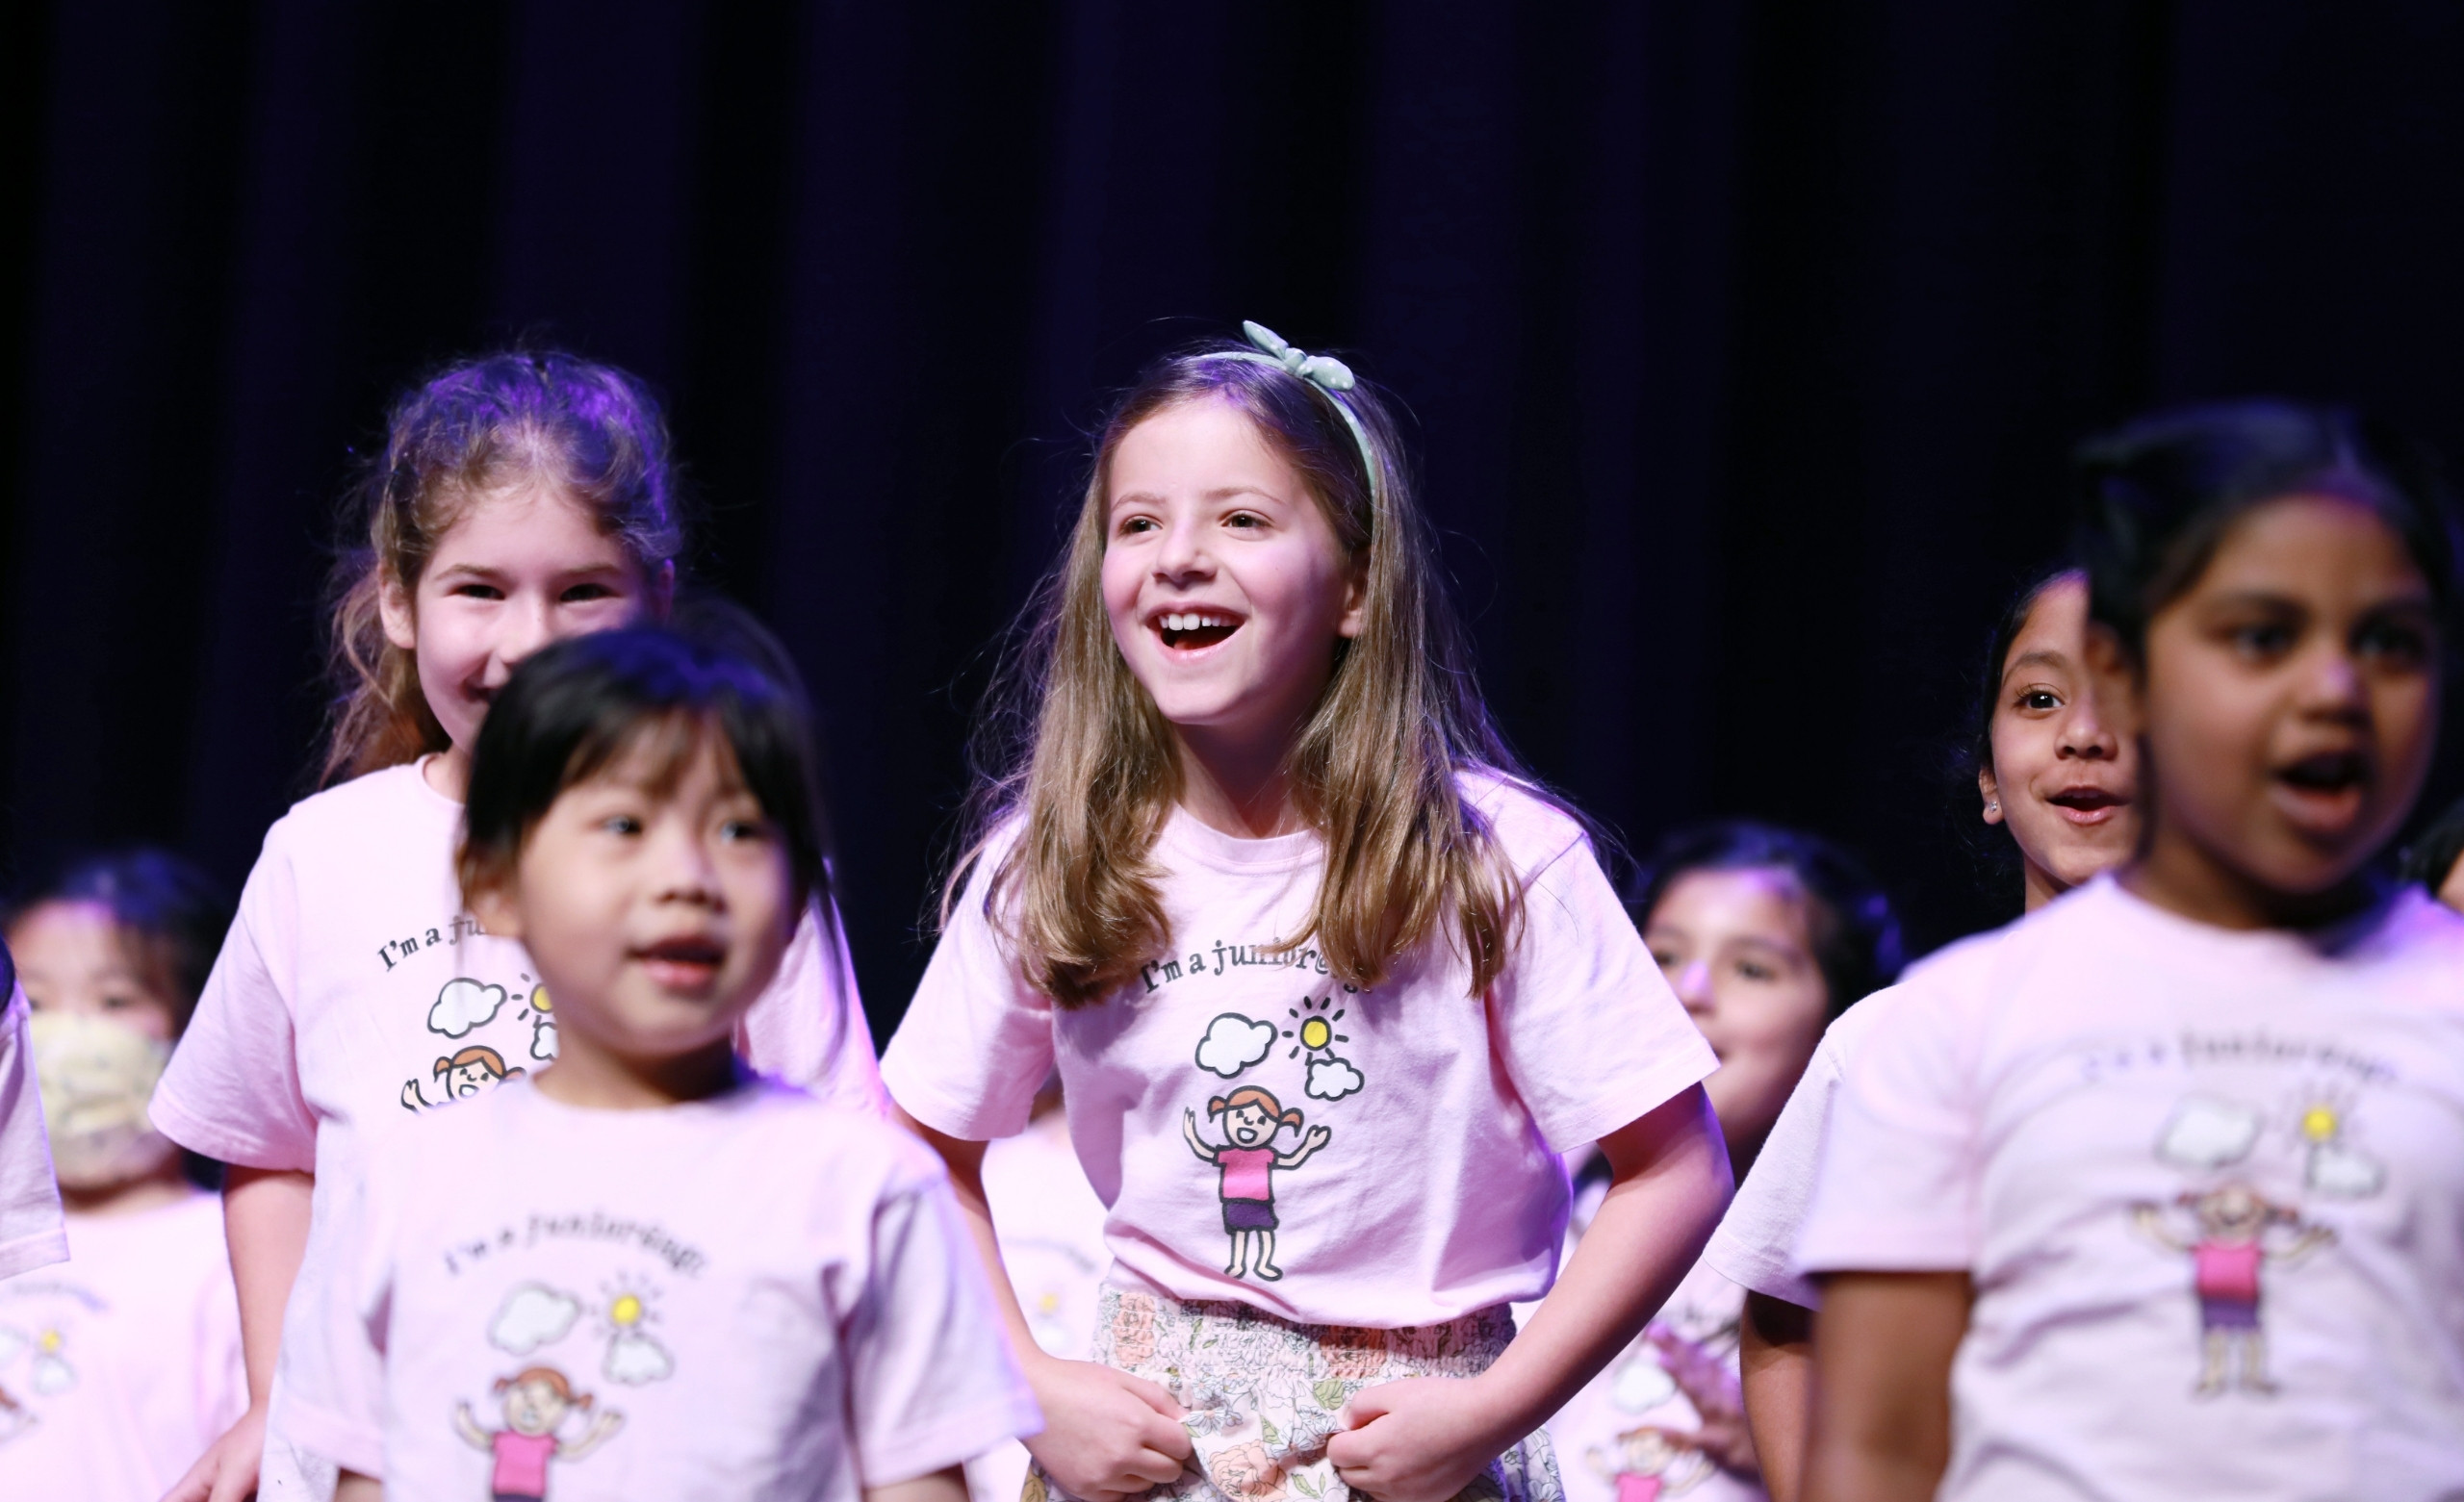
976 1043
1897 1186
330 1389
31 1232
1756 1243
808 1027
232 1090
1590 1033
931 1380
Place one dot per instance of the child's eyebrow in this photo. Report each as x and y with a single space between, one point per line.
2042 657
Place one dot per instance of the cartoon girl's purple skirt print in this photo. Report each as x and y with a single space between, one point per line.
1264 1394
1241 1215
2227 1313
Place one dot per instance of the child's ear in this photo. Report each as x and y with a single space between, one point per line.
493 905
395 613
1991 790
1355 595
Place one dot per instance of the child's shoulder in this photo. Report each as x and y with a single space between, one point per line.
1531 827
361 809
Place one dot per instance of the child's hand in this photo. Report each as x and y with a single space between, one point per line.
1420 1439
1718 1400
1107 1434
227 1472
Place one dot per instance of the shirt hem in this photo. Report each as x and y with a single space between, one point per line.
202 1137
1606 1116
338 1440
24 1254
937 1111
954 1442
1758 1272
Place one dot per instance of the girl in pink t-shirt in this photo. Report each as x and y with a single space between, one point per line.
1255 842
519 498
2070 1154
124 1363
768 1296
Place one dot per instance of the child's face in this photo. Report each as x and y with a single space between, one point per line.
1736 946
2063 776
518 570
70 958
1223 578
2289 701
1247 1125
655 916
532 1407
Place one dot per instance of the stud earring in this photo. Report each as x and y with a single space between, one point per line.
1993 808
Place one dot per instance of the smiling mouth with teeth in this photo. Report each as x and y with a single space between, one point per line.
1195 628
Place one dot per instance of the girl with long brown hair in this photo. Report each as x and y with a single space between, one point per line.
1246 822
519 498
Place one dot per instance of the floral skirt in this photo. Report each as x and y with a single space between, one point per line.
1263 1396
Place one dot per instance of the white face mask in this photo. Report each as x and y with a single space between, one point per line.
96 1075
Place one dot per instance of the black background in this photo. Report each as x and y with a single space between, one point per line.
1744 341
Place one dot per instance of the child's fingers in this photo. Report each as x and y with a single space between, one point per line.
1151 1468
197 1485
1155 1397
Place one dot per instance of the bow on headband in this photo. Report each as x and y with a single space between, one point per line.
1319 370
1329 375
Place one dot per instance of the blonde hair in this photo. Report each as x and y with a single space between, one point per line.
588 431
1075 753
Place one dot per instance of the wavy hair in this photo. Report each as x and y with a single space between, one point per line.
586 430
1074 753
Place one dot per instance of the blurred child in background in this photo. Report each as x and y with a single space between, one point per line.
2043 776
1766 934
2159 1193
116 1370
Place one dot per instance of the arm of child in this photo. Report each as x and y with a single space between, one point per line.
1107 1434
1774 1355
1881 1420
264 1220
1423 1438
942 1486
356 1487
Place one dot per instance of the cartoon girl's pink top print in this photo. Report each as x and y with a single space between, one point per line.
2227 1269
1244 1172
522 1464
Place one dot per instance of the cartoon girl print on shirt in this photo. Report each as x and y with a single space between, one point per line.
537 1401
475 1070
1252 1119
2226 1252
1641 1467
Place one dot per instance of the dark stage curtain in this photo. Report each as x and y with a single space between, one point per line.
1744 341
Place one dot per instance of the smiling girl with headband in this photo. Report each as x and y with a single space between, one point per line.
1249 828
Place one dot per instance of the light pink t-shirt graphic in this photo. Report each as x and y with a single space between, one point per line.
1244 1172
31 1233
1432 1190
2208 1185
758 1295
522 1464
353 993
119 1367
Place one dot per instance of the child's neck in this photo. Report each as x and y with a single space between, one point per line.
448 772
2177 875
166 1186
597 1078
1242 790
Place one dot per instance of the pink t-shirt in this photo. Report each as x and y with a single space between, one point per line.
31 1233
522 1464
354 993
808 1321
119 1369
1244 1172
1436 1192
2065 1108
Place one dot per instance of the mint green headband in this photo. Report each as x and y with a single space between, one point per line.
1327 373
